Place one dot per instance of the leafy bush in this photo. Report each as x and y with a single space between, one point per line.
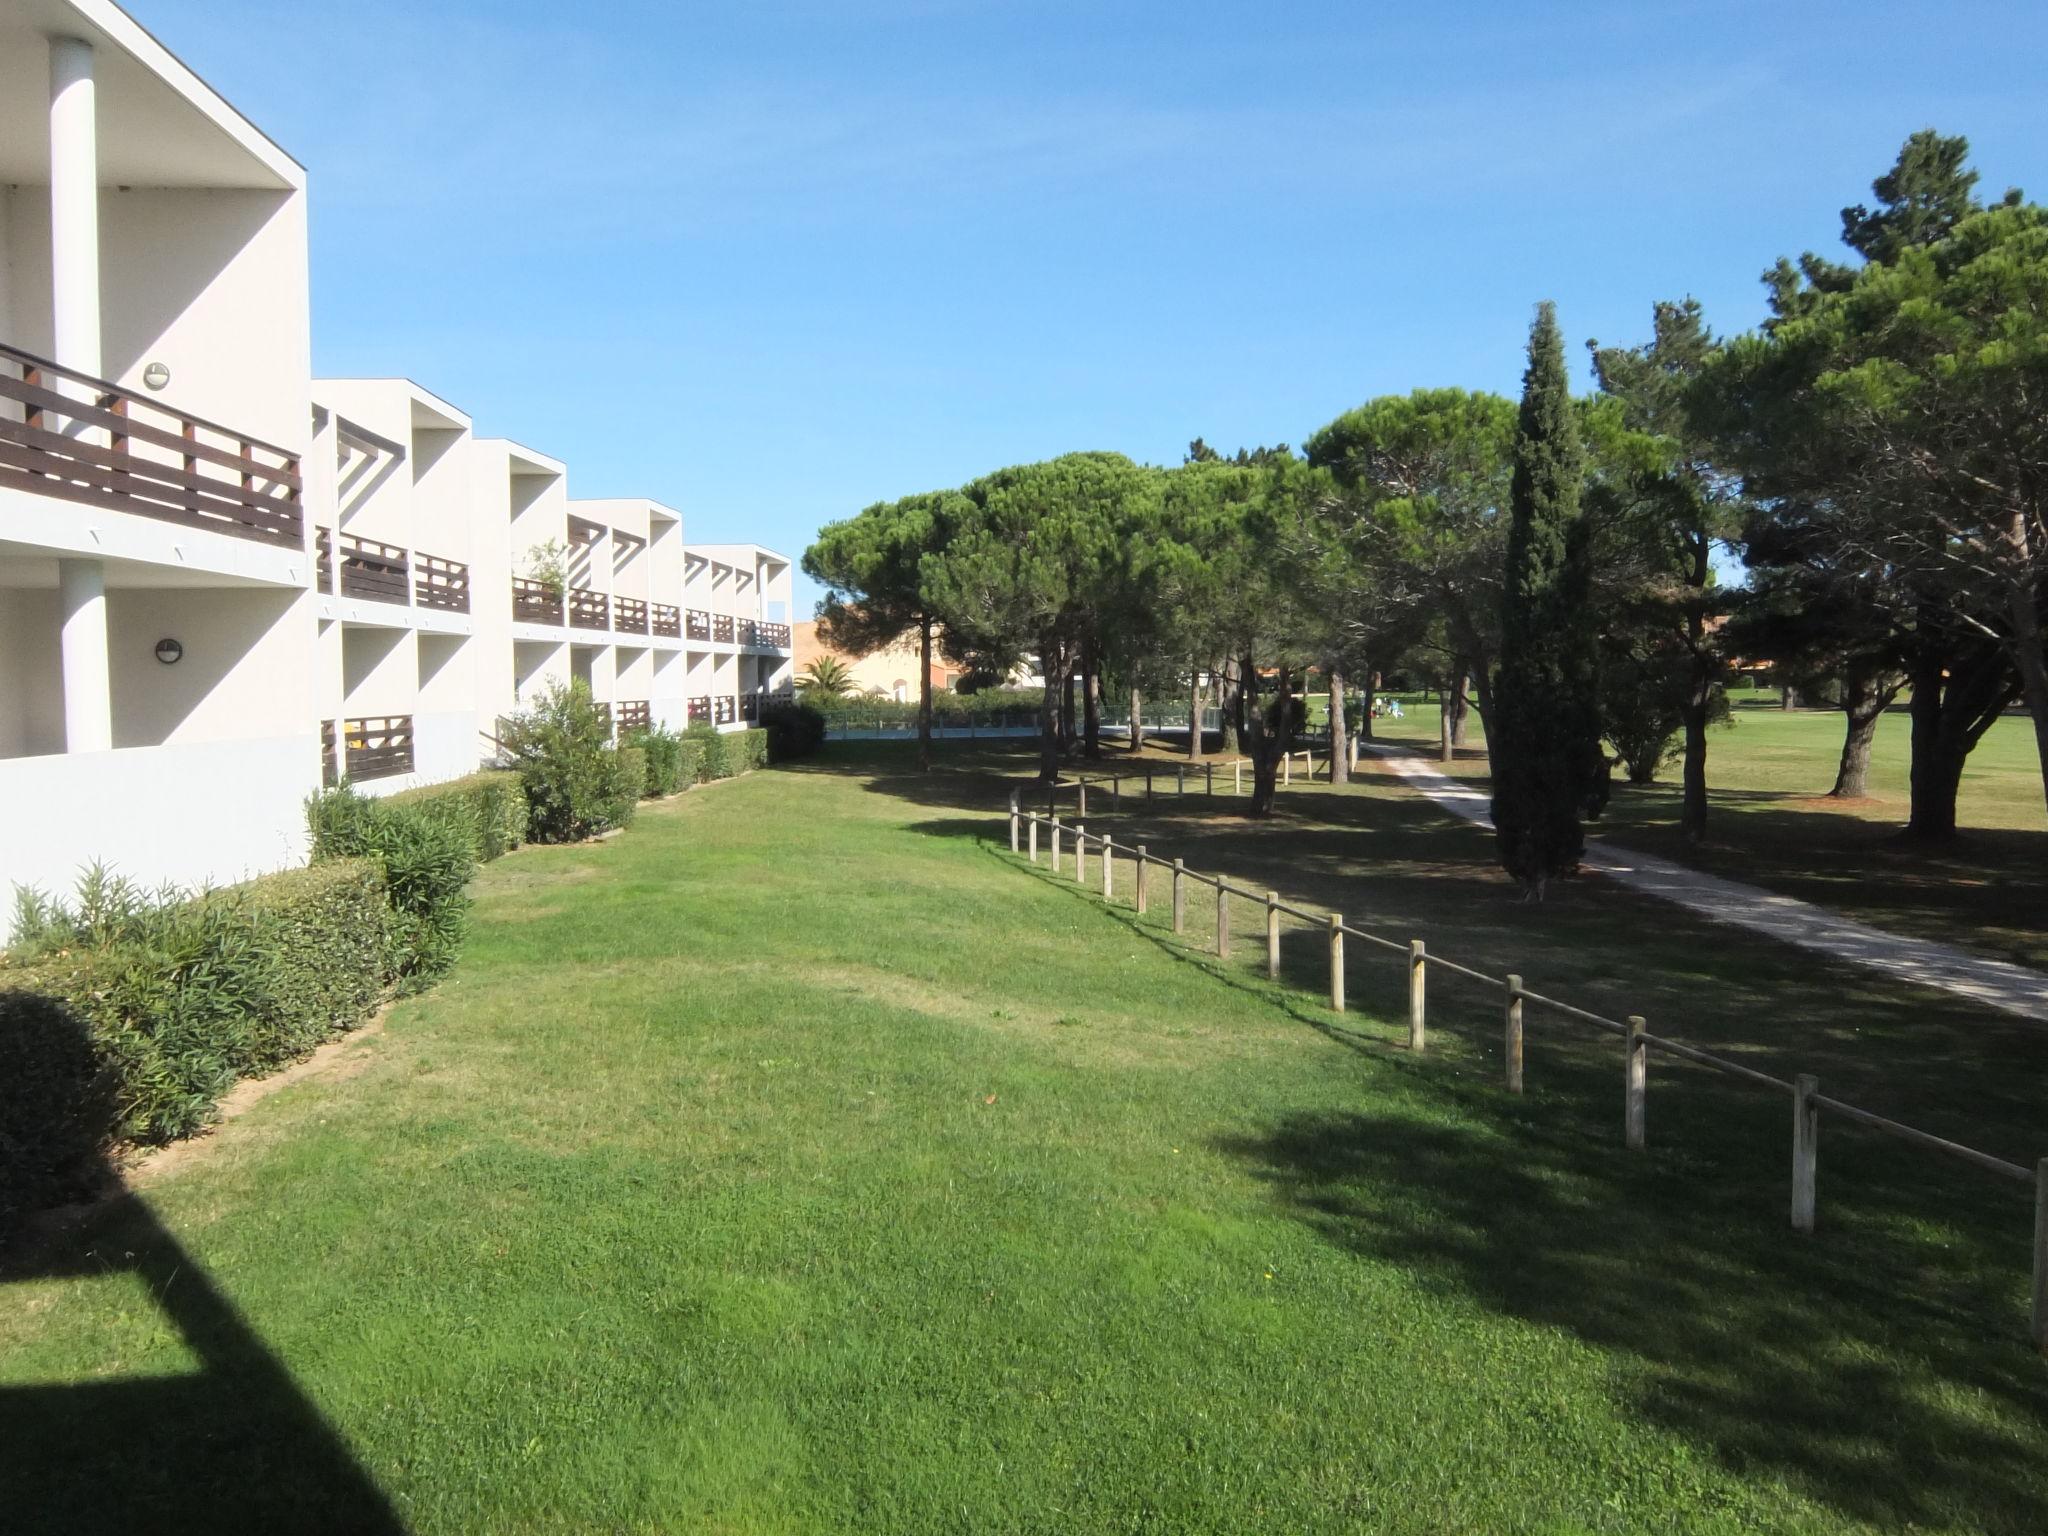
572 774
746 750
493 803
689 759
664 750
428 853
794 730
948 708
710 745
624 785
133 1028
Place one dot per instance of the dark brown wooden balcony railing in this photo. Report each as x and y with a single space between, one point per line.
630 615
323 559
699 708
535 602
698 624
750 706
588 610
381 573
722 628
635 715
330 771
377 747
724 709
439 583
773 636
86 440
666 621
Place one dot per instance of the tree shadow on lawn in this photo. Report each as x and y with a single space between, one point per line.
1854 1362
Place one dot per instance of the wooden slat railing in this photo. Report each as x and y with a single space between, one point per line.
439 583
330 772
377 746
724 709
588 610
323 559
81 438
722 628
535 602
750 706
380 573
698 624
699 708
635 715
665 621
629 614
775 636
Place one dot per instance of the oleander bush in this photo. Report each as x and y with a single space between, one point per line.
493 800
561 748
427 852
127 1016
664 750
625 785
794 730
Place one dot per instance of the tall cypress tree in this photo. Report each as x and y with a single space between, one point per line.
1548 766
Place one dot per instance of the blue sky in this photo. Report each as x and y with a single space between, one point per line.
771 260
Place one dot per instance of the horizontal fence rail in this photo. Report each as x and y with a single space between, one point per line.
439 583
535 602
1808 1103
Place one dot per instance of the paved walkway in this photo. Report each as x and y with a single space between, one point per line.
1994 983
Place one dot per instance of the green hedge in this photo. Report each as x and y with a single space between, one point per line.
493 801
794 730
132 1030
577 783
664 751
721 754
428 852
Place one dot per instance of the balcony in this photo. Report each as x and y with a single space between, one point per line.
98 444
635 715
535 602
724 709
375 747
378 573
697 624
439 583
589 610
699 708
323 558
757 635
630 615
750 707
666 622
722 628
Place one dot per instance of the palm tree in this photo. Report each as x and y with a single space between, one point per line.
827 675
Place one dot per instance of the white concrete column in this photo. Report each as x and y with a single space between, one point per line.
88 695
74 207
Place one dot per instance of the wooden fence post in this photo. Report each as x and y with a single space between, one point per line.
1082 809
1273 935
1116 794
1805 1149
1222 922
1013 821
1180 897
1108 870
2040 1320
1080 853
1308 760
1336 962
1237 777
1511 1042
1209 780
1148 786
1034 839
1057 829
1636 1084
1180 781
1418 977
1144 868
1286 767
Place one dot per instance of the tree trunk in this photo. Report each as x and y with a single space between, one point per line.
1137 722
1445 752
1238 685
1366 694
1053 660
1482 692
1459 709
1195 714
1692 815
1091 703
924 695
1269 734
1340 745
1866 692
1957 696
1068 682
2023 607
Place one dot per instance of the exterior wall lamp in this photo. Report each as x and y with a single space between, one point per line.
168 651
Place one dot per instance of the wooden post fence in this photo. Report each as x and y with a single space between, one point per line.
1222 922
1511 1042
1336 962
1056 831
1209 780
1144 868
1116 794
1108 870
1013 821
1237 777
1080 854
1180 781
1081 810
1418 979
1180 897
1805 1149
1034 839
1273 935
1286 767
1636 1085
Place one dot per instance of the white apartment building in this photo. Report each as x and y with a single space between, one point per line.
222 583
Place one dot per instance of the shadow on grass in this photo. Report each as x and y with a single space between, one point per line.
1787 1356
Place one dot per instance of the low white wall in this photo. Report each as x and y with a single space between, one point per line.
210 812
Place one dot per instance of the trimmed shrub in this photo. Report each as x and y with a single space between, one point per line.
428 853
710 747
133 1030
725 753
572 774
746 750
664 750
493 800
689 759
794 730
624 783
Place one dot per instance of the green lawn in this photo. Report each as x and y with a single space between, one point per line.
799 1161
1768 773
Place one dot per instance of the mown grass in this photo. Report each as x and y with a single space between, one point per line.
801 1161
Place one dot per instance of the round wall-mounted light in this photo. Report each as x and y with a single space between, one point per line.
156 376
168 651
